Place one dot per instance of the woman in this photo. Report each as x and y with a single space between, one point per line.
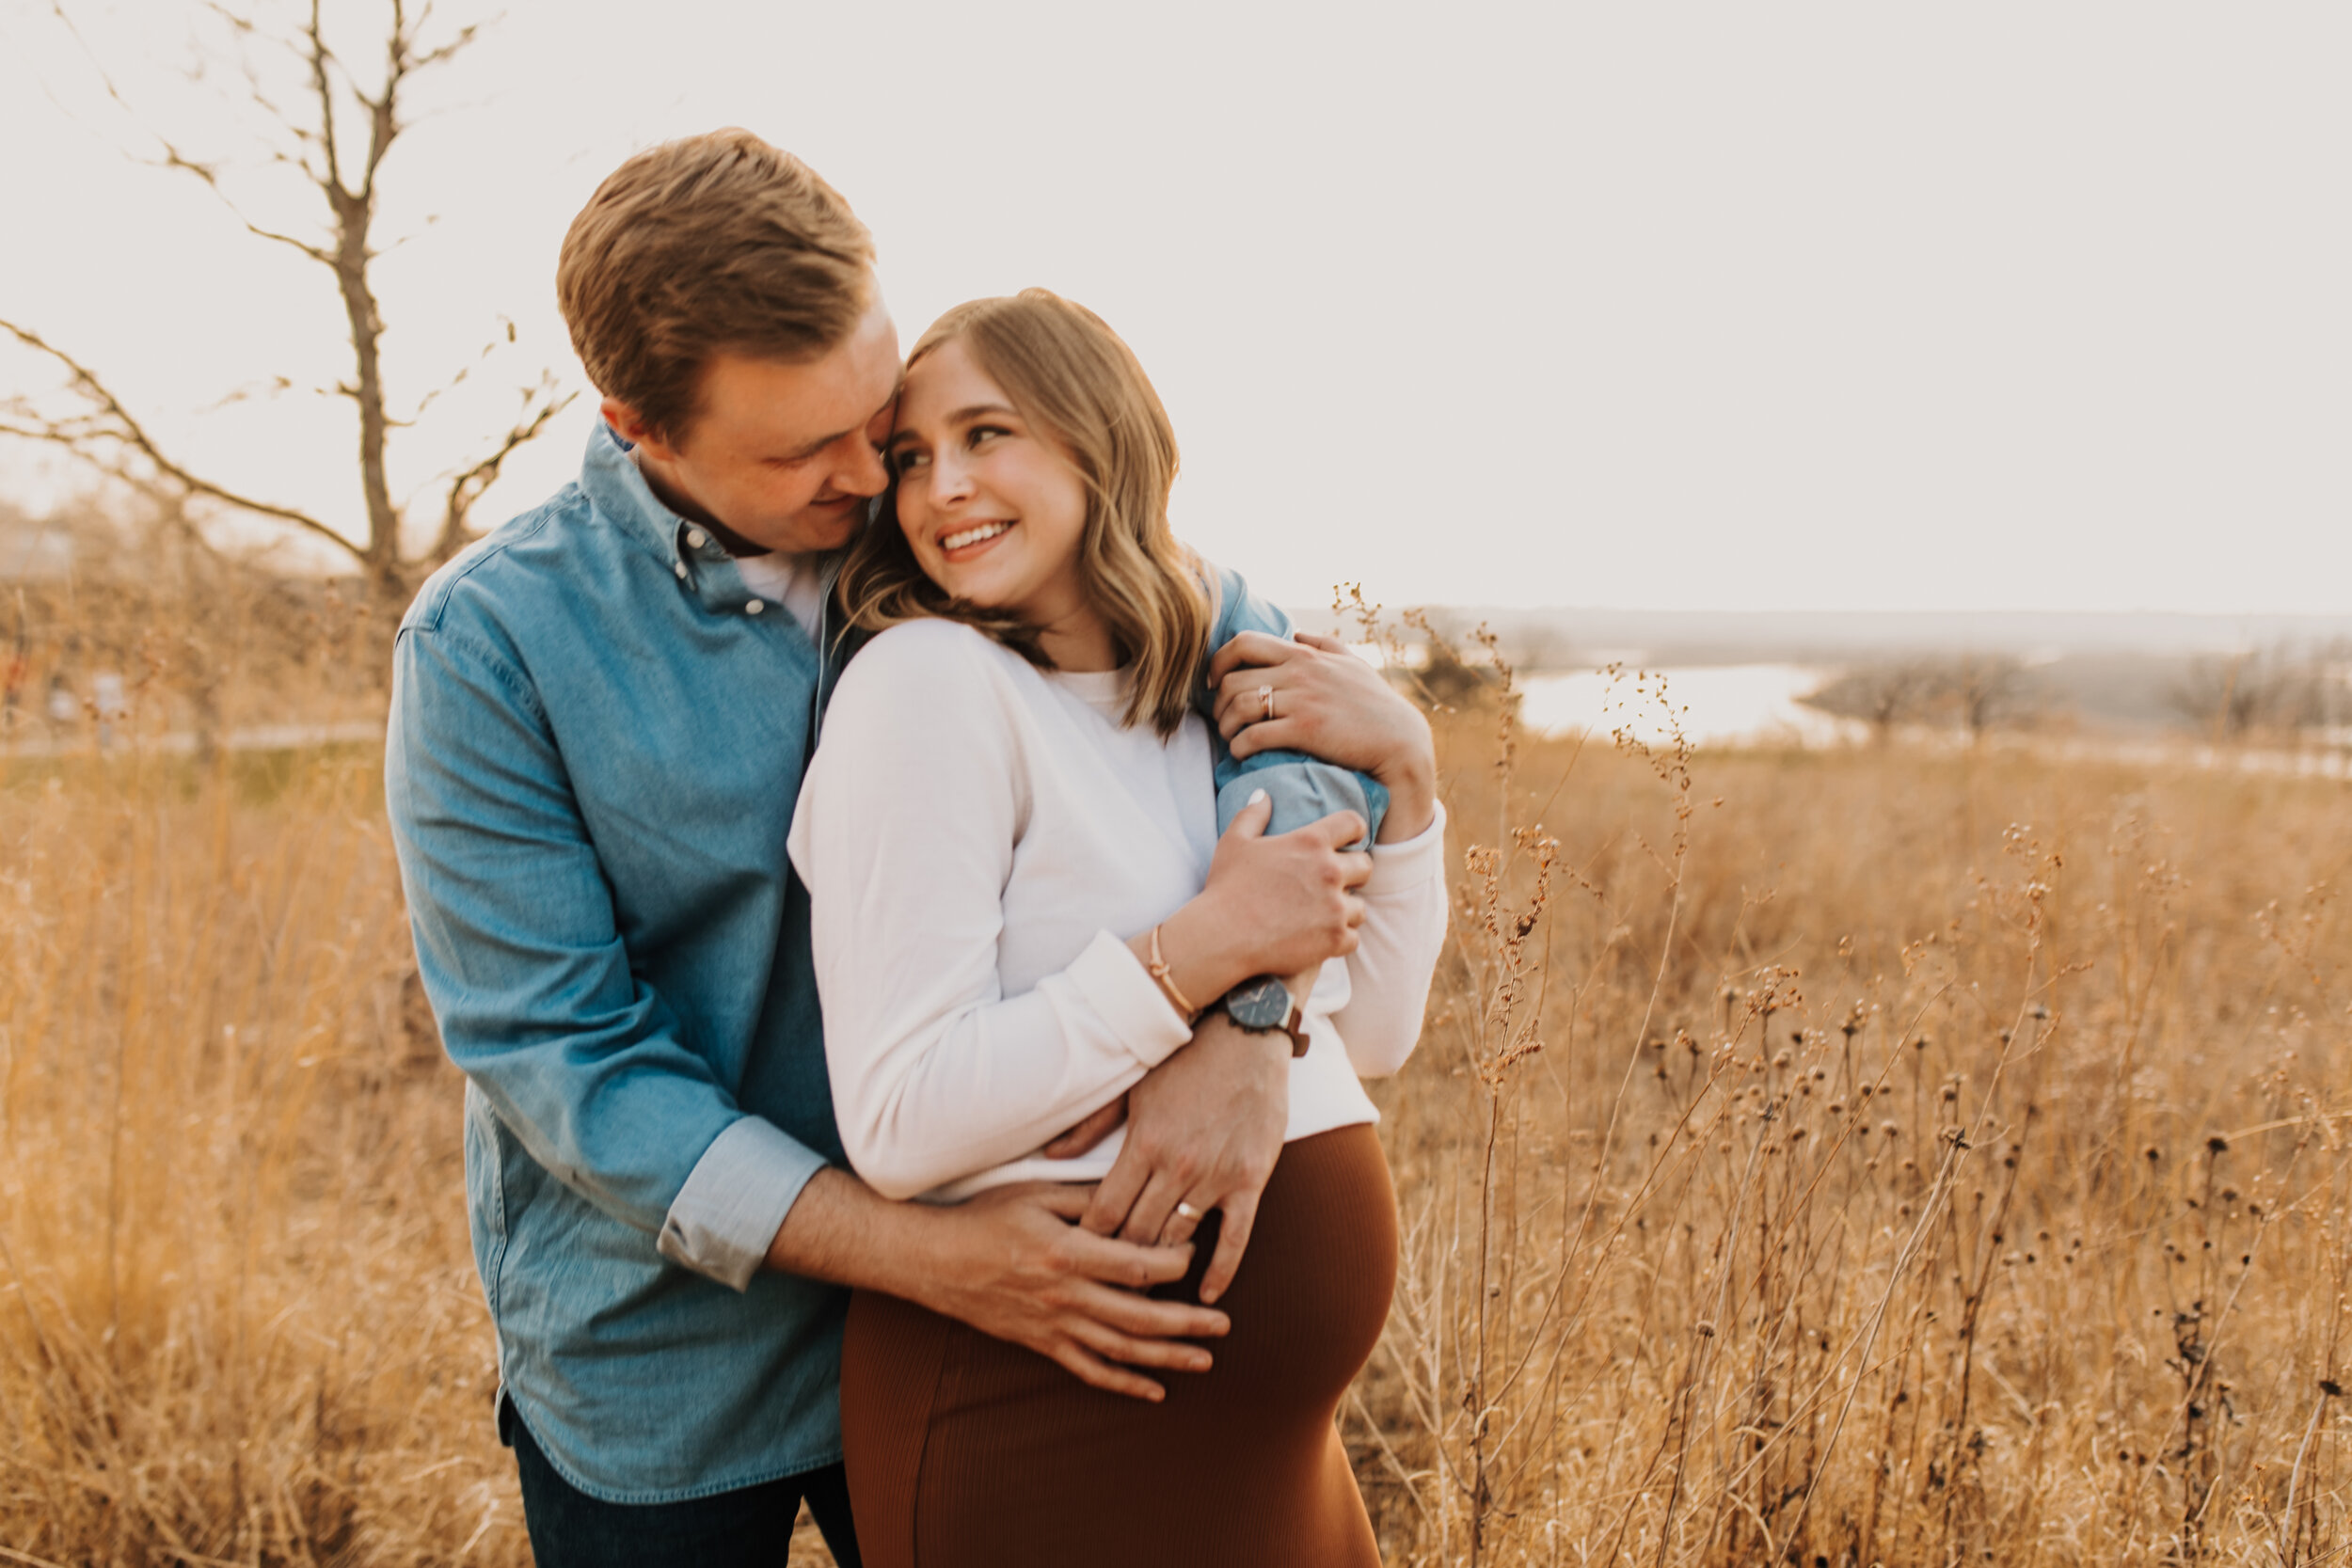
1020 896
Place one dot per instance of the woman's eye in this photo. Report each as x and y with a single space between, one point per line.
981 433
906 458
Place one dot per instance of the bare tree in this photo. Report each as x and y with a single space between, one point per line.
1986 690
1881 695
311 129
2280 689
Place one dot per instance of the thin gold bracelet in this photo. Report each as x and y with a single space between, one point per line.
1158 968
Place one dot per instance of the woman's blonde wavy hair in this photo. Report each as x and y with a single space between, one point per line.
1069 375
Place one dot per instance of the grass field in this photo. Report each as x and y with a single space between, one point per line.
1828 1157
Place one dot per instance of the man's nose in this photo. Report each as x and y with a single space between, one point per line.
863 471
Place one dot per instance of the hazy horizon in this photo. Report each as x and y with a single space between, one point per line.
1828 304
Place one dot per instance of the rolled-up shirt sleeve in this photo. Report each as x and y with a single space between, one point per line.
735 1200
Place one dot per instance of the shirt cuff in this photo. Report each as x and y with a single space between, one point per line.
1410 862
733 1201
1123 993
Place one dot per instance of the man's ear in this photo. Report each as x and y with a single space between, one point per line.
631 427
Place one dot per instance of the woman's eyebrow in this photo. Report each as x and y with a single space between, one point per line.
978 411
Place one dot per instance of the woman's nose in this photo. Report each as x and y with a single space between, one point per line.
951 479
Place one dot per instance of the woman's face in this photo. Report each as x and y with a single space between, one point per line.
992 506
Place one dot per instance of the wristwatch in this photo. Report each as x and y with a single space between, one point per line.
1263 1004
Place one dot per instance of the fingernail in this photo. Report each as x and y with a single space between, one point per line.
1256 796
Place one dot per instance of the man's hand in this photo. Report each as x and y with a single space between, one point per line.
1019 1268
1205 1127
1013 1264
1330 704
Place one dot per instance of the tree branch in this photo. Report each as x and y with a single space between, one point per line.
173 158
318 56
467 486
114 423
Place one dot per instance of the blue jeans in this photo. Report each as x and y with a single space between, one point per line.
734 1529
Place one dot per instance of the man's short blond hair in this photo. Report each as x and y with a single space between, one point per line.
716 242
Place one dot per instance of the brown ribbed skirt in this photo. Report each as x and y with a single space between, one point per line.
968 1452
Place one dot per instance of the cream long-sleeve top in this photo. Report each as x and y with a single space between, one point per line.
980 837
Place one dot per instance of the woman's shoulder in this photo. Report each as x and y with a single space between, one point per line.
932 650
923 673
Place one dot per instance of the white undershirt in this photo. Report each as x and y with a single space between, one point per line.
979 838
795 581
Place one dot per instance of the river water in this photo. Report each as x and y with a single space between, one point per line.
1732 704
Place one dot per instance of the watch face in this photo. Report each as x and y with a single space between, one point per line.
1259 1003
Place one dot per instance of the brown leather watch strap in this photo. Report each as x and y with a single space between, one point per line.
1294 1026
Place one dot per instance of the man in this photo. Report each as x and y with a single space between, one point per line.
600 723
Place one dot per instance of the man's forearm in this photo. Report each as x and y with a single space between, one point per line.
840 1230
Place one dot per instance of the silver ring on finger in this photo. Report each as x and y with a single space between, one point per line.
1266 700
1185 1210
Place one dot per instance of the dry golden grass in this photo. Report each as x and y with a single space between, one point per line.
1873 1158
1822 1176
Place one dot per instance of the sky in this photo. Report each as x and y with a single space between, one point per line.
1687 306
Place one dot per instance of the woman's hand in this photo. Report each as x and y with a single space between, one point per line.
1326 702
1206 1128
1272 906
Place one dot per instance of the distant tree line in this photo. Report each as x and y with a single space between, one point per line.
2267 691
1970 693
2280 692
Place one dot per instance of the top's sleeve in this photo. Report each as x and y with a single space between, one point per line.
1303 789
520 953
1396 952
914 808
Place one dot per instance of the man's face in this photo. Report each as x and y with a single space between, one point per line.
784 454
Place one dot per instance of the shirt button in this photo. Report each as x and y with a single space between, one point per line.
697 538
679 567
755 606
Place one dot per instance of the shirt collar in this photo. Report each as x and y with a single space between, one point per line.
616 487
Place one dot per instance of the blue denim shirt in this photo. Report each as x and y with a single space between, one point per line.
598 735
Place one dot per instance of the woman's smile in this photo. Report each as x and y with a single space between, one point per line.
965 542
